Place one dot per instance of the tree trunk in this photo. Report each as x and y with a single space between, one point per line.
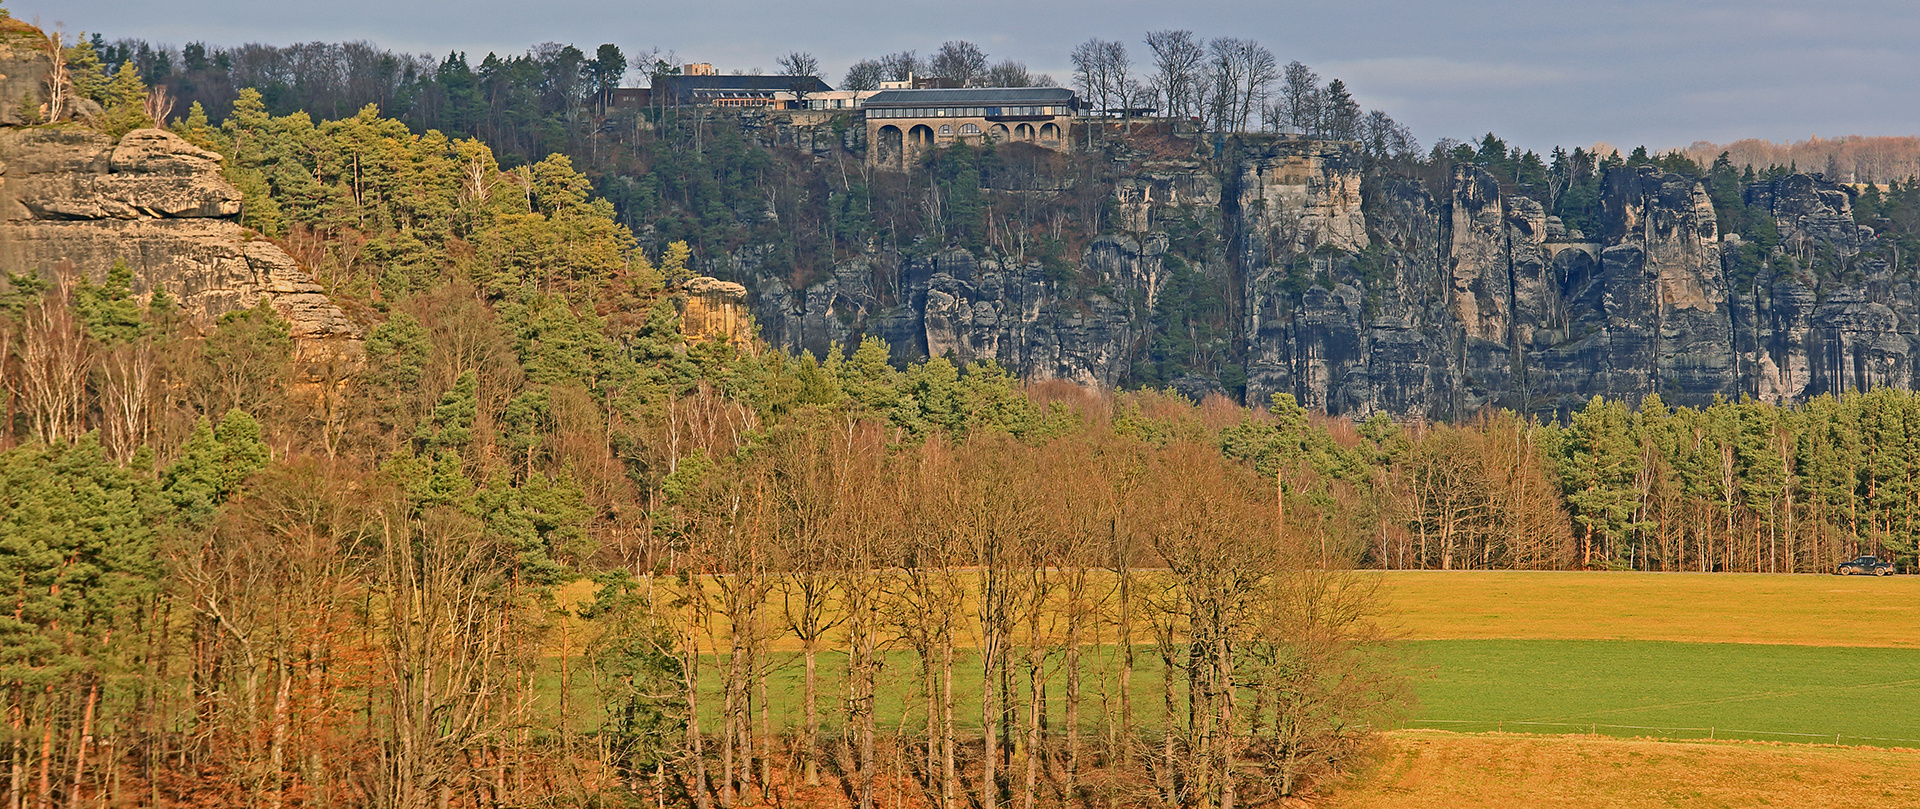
989 721
949 776
1074 618
43 795
86 742
17 755
276 751
1036 689
811 752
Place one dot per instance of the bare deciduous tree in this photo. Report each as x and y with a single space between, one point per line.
959 62
1177 57
54 362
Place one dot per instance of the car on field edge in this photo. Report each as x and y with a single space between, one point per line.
1865 566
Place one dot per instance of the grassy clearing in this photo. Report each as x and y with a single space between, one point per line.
1433 770
1806 610
900 690
1668 689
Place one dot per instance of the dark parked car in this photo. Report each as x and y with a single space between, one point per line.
1865 566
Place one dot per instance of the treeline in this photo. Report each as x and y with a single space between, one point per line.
1846 159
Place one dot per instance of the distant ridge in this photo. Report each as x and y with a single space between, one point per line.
1846 159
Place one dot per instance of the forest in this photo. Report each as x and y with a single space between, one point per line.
544 548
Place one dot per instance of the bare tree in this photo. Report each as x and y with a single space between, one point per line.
1100 72
1009 73
865 74
901 66
803 68
1176 61
1387 139
959 62
1257 71
54 362
1300 102
450 649
59 82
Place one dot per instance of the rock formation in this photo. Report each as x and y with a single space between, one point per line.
712 309
74 199
23 69
1365 293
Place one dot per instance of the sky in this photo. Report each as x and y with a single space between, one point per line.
1538 74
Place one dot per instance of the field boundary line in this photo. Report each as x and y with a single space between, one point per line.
1712 732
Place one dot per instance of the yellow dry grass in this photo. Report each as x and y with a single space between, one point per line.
1421 769
1806 610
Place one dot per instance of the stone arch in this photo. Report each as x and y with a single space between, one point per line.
1048 131
1023 132
920 135
1000 133
969 129
892 145
946 130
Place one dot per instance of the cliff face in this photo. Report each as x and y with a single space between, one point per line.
1360 293
23 69
956 305
74 199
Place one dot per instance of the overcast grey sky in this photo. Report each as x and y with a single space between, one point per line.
1538 73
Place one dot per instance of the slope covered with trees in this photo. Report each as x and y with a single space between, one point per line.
236 584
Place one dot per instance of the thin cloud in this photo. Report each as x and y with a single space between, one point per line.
1405 74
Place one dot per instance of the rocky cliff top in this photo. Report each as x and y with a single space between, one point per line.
76 199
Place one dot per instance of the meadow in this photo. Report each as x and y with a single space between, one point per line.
1787 658
1671 655
1569 689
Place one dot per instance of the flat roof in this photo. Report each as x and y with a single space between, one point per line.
690 84
972 96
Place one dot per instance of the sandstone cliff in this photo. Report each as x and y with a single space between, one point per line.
1366 293
72 197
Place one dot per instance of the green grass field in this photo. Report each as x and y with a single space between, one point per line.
1673 690
1671 655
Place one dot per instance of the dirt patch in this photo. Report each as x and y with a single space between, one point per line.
1454 771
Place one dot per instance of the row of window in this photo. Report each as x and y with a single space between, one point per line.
1022 132
963 112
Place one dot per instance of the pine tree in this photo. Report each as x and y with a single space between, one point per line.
1599 462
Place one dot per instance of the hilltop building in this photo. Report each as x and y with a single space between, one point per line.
711 90
903 124
839 100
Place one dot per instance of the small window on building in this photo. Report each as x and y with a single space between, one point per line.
969 129
946 129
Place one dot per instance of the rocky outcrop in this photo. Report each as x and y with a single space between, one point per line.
1364 293
1297 195
712 309
969 307
23 69
1810 209
74 200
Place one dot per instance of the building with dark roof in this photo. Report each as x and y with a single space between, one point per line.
903 124
779 92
